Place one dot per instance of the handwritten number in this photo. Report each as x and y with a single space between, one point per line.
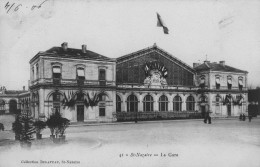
9 6
17 7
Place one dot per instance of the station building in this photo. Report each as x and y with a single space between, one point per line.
86 86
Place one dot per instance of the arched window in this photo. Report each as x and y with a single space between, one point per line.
118 104
148 103
177 103
132 103
190 103
163 103
2 106
12 106
56 98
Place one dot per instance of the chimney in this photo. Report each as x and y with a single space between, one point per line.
195 65
84 48
23 88
222 63
64 46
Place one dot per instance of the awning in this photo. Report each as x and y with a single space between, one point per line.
80 72
56 70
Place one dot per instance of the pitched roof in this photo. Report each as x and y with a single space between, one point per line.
158 50
72 53
217 67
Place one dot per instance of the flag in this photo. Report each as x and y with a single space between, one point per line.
160 23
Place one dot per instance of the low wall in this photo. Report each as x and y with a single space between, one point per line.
7 120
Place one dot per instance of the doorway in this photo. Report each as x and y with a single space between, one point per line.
80 113
229 109
203 111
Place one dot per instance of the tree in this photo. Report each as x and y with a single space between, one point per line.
27 129
39 126
17 127
23 128
57 124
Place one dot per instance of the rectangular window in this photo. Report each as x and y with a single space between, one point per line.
56 75
80 72
202 82
102 112
37 71
102 97
80 76
240 84
33 73
217 83
102 77
229 83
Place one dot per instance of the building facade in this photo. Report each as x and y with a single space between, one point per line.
222 88
86 86
11 101
78 83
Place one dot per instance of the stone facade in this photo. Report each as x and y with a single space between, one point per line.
85 86
78 73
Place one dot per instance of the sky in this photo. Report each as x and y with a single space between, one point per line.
223 30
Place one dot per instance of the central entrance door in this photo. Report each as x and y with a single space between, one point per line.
229 109
203 111
80 112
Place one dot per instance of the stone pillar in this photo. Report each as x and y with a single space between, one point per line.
183 98
42 109
140 103
7 107
124 103
156 103
170 103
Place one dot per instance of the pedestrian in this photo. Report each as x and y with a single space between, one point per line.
209 118
249 117
2 127
240 117
205 117
244 117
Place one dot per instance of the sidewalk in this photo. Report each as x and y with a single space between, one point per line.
77 124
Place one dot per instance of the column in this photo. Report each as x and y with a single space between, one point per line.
156 103
140 103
